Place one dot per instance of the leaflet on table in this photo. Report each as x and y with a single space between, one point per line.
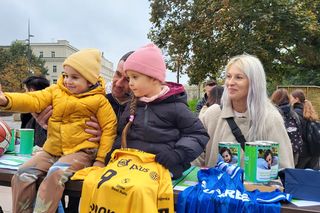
302 203
190 179
12 161
184 174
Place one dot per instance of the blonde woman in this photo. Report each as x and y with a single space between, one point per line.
245 99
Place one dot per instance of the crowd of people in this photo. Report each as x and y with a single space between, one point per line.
78 125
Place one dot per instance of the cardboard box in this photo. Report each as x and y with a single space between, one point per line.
268 187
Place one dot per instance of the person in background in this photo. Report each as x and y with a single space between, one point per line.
292 122
214 97
245 100
207 88
159 109
306 112
79 94
34 83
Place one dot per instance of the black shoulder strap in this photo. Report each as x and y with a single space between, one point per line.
236 132
296 117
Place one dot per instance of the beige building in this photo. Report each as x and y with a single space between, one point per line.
54 55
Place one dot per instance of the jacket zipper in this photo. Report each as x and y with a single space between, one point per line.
146 117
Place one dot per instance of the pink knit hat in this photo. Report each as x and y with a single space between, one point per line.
147 60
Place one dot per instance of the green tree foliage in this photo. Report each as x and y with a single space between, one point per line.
15 67
203 35
193 104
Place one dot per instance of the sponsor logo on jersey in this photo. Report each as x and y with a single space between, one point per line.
123 162
139 168
235 194
154 176
119 189
164 198
125 180
94 208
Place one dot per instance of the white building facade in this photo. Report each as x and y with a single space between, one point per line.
54 55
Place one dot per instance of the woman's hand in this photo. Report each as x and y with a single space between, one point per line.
95 129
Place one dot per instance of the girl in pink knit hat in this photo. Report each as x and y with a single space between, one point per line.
157 120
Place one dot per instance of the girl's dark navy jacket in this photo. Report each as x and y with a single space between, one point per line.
166 124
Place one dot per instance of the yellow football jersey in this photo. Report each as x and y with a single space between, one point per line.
132 182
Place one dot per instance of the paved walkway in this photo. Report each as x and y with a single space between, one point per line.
5 192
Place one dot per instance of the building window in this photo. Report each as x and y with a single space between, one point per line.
54 81
53 54
54 68
41 54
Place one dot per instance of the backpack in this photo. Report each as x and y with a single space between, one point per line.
313 137
294 129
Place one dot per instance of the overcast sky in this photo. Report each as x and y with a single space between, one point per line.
113 26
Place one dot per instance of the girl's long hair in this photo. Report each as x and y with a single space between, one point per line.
133 108
257 99
309 113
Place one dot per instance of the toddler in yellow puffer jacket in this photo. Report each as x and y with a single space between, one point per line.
78 95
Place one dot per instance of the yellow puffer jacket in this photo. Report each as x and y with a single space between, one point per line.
66 126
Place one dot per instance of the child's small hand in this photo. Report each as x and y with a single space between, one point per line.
98 163
3 99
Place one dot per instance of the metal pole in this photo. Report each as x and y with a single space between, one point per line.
29 48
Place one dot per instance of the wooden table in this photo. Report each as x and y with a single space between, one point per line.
74 188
